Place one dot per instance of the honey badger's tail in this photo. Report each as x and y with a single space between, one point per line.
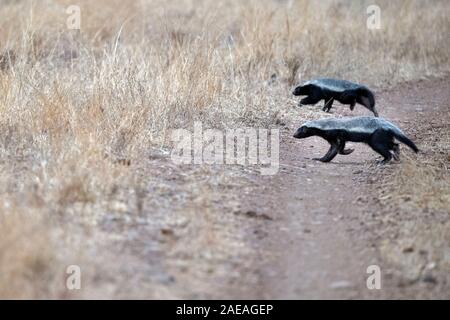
367 99
404 139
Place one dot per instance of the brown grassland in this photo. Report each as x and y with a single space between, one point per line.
80 110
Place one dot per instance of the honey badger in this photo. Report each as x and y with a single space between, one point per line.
344 91
378 133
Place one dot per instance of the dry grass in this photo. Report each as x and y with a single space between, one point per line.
78 107
422 183
417 211
415 198
431 187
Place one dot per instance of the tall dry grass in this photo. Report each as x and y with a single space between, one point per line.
77 106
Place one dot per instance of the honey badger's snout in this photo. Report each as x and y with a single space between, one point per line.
297 133
300 133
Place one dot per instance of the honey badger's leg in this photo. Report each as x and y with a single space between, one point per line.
348 97
332 152
342 149
396 149
314 96
311 99
328 104
381 142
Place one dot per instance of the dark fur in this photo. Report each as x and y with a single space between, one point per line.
345 92
379 134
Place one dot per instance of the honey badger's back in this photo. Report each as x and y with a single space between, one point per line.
335 84
346 92
362 126
354 124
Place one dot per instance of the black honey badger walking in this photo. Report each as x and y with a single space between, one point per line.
378 133
344 91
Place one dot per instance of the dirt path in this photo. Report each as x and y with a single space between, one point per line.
321 243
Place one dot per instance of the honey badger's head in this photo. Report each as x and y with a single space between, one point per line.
304 132
302 90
